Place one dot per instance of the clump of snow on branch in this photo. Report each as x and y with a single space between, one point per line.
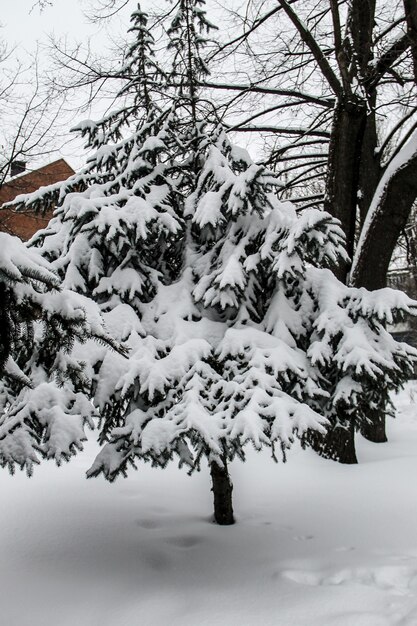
45 399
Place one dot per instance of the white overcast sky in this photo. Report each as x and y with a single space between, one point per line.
25 27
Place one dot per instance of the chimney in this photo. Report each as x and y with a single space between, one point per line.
17 167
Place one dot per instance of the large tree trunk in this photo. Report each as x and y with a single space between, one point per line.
370 166
222 494
341 201
369 177
410 9
338 444
384 227
398 196
343 170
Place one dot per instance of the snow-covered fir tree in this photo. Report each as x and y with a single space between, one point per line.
187 39
358 360
237 332
44 392
141 73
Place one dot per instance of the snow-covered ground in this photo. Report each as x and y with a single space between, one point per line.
316 543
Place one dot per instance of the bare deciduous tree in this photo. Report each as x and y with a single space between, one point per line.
29 111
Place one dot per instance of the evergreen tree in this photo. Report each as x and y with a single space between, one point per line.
352 360
44 391
358 360
236 331
186 39
141 70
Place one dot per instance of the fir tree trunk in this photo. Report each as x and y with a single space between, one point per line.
374 429
338 444
222 494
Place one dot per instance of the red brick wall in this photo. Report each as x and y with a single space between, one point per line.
25 224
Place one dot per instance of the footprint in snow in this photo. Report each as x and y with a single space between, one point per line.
185 541
159 509
398 580
344 549
148 524
303 537
303 577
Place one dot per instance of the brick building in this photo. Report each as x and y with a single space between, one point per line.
25 224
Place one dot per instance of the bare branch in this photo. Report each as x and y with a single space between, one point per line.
303 156
401 144
395 129
305 97
306 163
283 130
389 28
410 8
277 107
314 48
387 60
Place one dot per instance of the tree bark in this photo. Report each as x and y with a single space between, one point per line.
222 494
388 221
370 166
369 177
338 444
374 430
343 170
361 22
370 271
410 9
